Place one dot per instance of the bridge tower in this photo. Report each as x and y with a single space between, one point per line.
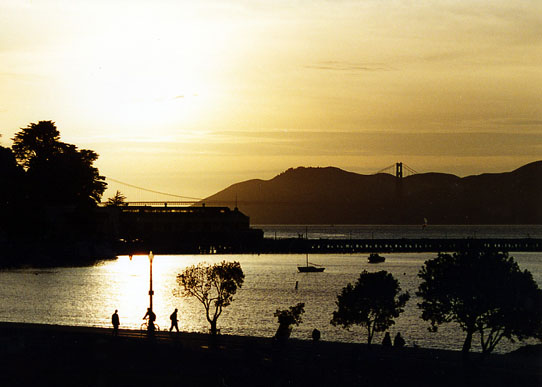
400 202
399 192
399 170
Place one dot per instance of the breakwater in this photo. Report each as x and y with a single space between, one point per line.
346 246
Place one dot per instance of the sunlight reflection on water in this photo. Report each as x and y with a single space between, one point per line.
88 296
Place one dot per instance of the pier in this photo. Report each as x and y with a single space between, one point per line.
347 246
338 246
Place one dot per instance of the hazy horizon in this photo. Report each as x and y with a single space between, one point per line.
189 98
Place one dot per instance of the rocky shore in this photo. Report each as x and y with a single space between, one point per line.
47 355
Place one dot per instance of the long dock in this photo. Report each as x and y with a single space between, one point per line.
338 246
345 246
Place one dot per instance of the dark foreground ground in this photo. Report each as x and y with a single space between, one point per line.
43 355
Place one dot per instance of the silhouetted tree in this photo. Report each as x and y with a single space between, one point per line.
36 142
212 285
287 318
11 191
119 200
11 175
373 302
53 196
484 292
57 173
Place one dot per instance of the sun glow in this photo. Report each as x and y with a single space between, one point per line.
130 282
125 97
132 278
144 73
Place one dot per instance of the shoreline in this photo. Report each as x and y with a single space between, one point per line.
36 354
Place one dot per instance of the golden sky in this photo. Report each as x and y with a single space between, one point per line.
189 97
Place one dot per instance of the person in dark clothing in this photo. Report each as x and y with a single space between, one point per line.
398 341
116 322
152 319
387 340
315 335
174 321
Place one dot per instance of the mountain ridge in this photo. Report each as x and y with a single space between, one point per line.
330 195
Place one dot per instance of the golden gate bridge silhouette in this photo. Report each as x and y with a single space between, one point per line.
399 170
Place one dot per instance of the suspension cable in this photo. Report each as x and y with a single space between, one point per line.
151 190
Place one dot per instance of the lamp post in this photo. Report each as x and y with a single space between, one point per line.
151 292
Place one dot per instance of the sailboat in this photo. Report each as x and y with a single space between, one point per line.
310 268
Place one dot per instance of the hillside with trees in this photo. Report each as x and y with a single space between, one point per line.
334 196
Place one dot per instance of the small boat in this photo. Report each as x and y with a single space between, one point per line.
312 268
376 258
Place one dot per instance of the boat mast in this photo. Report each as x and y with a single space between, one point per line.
307 244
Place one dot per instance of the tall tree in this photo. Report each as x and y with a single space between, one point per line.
11 189
212 285
373 302
484 292
11 175
36 142
57 173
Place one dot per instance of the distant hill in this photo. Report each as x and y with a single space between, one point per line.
334 196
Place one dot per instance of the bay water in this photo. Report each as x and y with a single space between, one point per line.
87 296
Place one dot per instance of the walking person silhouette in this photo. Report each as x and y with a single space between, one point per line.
174 321
116 322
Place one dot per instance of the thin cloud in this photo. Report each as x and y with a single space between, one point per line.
322 143
182 96
348 66
519 122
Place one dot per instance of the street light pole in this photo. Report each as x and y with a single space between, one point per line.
151 292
